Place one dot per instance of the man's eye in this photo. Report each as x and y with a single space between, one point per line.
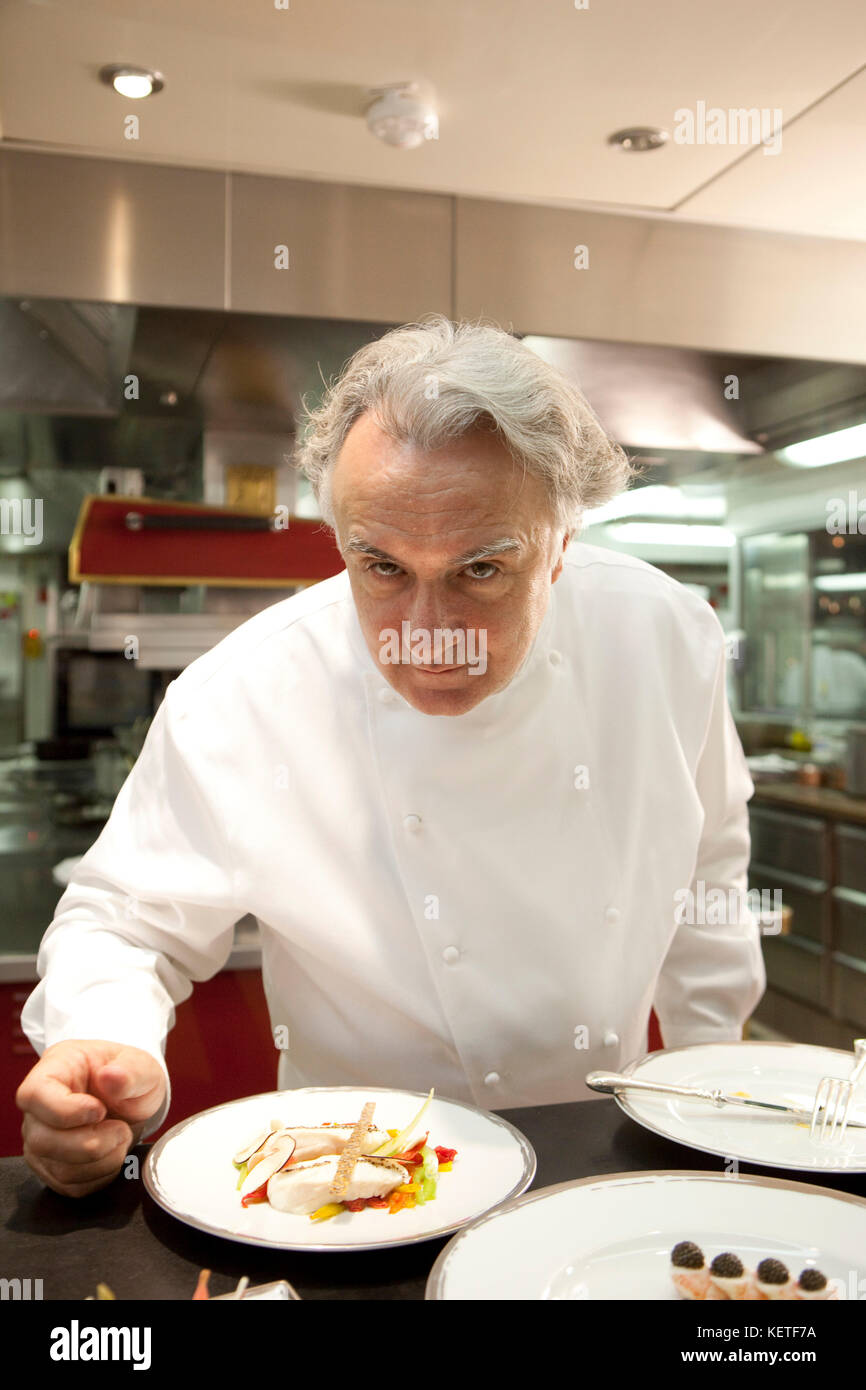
380 566
481 565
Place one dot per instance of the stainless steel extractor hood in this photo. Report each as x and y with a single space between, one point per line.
136 387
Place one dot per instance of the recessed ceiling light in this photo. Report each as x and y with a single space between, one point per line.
639 138
658 500
132 82
838 447
661 533
841 582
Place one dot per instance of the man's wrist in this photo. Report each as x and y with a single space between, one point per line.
137 1129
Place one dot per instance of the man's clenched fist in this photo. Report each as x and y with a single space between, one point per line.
85 1104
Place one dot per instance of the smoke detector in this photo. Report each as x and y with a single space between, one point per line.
403 115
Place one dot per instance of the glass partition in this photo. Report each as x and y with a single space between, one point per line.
775 622
838 616
804 619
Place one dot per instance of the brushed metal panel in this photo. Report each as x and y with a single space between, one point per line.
651 280
128 233
382 255
850 857
849 990
801 1022
806 903
849 916
793 843
794 966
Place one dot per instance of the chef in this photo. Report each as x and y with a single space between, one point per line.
462 786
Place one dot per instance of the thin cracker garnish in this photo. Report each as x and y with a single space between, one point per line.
351 1153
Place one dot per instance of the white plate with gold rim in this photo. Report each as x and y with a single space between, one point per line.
787 1072
189 1170
611 1237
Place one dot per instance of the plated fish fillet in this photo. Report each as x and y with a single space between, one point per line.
303 1187
315 1141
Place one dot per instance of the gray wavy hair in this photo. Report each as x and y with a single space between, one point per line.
433 381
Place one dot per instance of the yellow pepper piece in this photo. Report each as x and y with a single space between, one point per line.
327 1211
445 1167
393 1133
408 1187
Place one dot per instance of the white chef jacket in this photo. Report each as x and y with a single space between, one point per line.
484 903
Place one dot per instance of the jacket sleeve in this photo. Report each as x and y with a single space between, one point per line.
713 974
149 909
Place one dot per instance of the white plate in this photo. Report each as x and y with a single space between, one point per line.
189 1170
611 1237
787 1072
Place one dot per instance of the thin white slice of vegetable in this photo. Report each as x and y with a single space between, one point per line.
395 1145
278 1155
249 1149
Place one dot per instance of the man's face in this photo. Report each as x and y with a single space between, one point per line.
409 524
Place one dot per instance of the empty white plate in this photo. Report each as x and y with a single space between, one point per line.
611 1237
787 1072
189 1170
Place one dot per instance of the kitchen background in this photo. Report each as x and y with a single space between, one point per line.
168 299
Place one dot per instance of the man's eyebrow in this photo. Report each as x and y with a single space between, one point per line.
501 547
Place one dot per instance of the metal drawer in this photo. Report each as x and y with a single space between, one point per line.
794 966
849 990
850 857
806 902
849 922
797 844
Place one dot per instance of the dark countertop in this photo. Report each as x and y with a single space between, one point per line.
820 801
120 1237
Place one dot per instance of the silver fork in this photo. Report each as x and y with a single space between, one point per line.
836 1092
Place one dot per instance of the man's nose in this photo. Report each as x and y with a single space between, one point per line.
431 608
432 611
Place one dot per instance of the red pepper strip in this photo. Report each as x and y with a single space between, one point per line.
445 1155
413 1149
259 1195
357 1204
378 1202
413 1153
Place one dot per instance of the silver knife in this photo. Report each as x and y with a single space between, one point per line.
611 1081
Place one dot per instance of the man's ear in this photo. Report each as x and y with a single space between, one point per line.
557 569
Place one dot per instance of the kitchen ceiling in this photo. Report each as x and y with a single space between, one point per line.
528 92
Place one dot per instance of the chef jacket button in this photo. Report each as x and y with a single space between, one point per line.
450 954
386 695
611 1038
555 658
491 1078
412 823
611 914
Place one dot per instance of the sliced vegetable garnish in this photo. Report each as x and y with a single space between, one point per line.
396 1145
327 1211
426 1176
